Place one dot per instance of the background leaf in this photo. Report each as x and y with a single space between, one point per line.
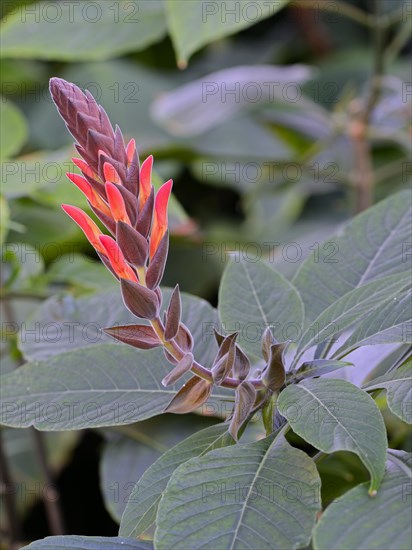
370 247
87 31
398 385
259 495
252 296
13 129
357 521
194 24
334 415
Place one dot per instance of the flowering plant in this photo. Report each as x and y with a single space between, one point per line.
208 491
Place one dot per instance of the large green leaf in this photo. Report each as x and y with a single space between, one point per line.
334 415
103 385
79 542
398 385
371 246
353 306
259 495
127 455
253 296
357 521
13 131
196 23
66 323
80 32
141 509
388 323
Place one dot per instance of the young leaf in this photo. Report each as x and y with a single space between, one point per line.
141 301
260 495
398 385
138 336
369 248
244 400
357 521
182 367
173 314
190 396
334 415
253 296
141 509
274 375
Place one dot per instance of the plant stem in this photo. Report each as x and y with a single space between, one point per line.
51 496
340 8
363 178
173 348
10 504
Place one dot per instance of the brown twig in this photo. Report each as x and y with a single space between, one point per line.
51 496
363 177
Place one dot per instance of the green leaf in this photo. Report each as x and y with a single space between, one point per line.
83 272
141 509
65 323
253 296
352 307
88 31
79 542
261 495
372 246
13 129
388 323
4 220
26 175
356 520
398 386
334 415
104 385
194 24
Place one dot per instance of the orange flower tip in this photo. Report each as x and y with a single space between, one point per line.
116 203
84 167
86 224
81 183
117 261
110 173
162 198
130 150
146 172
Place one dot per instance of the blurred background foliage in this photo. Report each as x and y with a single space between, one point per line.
277 121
